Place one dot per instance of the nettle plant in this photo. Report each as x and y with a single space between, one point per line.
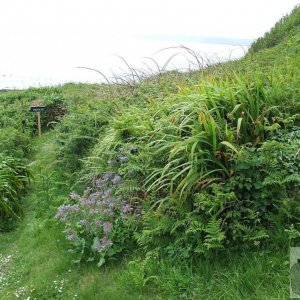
97 224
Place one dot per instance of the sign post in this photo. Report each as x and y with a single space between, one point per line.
39 123
36 106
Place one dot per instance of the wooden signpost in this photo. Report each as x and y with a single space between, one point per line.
37 106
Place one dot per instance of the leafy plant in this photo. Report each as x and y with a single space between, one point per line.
14 179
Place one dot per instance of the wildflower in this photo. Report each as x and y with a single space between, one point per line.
107 227
106 243
99 183
126 208
108 192
87 192
116 180
109 203
94 197
84 222
74 196
64 211
93 211
71 234
108 176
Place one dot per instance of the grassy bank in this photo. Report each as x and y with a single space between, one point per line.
180 186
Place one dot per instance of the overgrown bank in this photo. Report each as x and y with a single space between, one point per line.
185 185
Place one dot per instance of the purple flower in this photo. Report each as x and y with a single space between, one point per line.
116 180
106 243
93 211
87 192
109 203
107 227
99 183
108 176
64 211
74 196
71 234
103 244
107 192
126 208
84 222
95 196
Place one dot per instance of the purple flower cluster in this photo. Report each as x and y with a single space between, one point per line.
122 156
116 180
64 211
126 208
74 196
104 243
109 177
93 214
107 227
71 235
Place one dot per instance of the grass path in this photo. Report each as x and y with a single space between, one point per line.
34 262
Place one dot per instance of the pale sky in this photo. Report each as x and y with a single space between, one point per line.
43 41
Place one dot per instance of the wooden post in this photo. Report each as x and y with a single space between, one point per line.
36 106
39 123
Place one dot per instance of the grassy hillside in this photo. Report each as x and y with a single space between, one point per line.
285 28
181 186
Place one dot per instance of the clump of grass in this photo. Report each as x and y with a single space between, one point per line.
14 179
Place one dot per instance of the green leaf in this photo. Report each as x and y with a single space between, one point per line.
230 146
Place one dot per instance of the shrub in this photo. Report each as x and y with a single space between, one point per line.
203 168
257 203
14 142
79 131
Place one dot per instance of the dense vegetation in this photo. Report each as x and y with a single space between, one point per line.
185 183
286 27
14 178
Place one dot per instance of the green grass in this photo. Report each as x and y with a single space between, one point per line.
245 275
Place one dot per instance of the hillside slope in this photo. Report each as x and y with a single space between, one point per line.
183 186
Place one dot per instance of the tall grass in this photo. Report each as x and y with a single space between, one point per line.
14 178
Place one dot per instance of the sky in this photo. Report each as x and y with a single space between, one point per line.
42 42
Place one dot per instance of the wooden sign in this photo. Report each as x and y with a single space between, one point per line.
37 106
